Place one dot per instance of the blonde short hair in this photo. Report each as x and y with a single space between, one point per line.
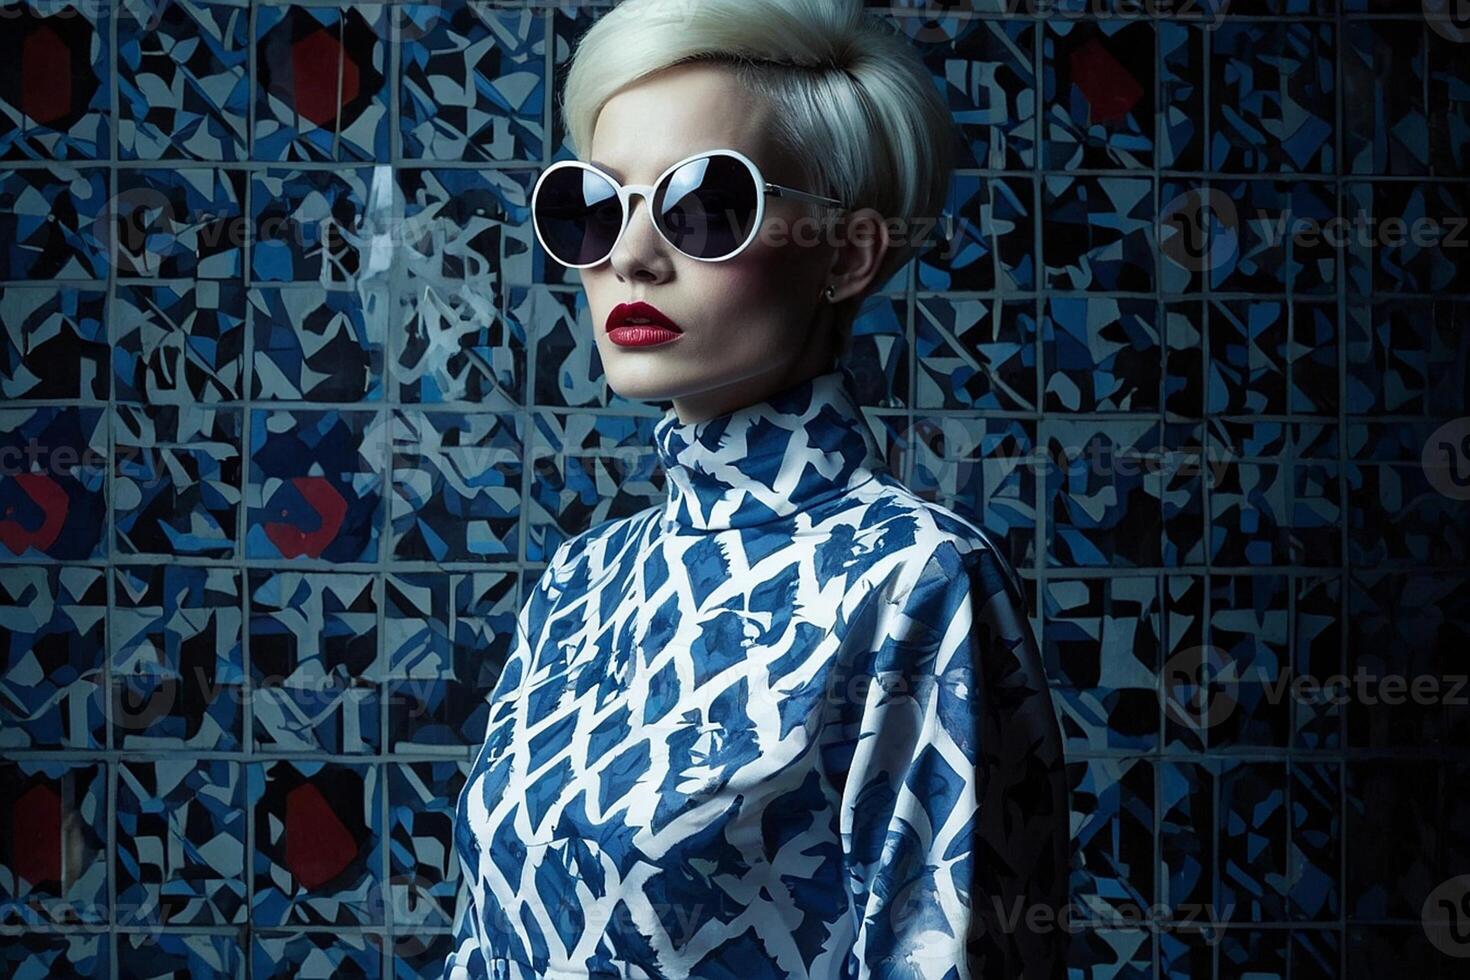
855 106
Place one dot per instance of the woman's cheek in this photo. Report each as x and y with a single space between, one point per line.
770 275
760 306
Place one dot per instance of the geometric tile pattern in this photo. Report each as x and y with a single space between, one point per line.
294 413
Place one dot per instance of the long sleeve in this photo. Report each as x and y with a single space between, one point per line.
466 960
954 806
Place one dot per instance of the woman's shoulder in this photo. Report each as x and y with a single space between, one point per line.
915 532
602 541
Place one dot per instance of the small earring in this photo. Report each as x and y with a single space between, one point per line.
831 291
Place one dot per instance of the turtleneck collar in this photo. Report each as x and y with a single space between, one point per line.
766 461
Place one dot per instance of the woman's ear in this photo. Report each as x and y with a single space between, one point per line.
862 240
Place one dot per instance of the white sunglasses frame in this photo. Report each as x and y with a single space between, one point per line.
626 192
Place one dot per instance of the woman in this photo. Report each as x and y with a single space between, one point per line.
791 722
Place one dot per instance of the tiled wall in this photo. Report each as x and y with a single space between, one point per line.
295 412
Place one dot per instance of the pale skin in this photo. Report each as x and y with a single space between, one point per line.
753 325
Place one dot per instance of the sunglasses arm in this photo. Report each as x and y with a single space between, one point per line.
778 191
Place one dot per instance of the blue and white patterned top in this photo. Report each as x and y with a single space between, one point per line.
790 723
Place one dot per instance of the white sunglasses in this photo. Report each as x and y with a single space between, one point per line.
709 206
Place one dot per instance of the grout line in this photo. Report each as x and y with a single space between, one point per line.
111 767
249 766
426 754
1040 523
388 314
1344 556
1161 585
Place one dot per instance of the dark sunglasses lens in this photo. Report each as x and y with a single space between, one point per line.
578 215
708 206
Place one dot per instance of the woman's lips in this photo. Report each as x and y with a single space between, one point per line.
642 336
651 326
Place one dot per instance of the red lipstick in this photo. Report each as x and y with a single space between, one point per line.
640 325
